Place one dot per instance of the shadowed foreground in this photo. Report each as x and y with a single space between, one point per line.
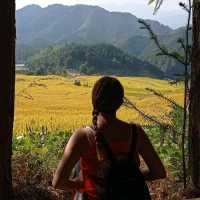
35 184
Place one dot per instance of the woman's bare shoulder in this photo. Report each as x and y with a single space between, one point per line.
82 135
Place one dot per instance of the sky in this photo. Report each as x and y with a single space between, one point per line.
170 13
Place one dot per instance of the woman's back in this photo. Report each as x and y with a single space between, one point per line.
83 146
118 134
112 128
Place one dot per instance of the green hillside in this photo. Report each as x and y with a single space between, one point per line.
145 49
93 59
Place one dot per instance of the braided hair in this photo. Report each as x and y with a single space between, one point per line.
107 97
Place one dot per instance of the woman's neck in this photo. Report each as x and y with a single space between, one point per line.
104 120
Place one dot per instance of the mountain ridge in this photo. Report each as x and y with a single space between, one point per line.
38 27
58 17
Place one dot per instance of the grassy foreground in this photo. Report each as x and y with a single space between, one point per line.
58 104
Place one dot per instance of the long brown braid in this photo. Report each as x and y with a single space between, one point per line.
95 113
107 97
97 134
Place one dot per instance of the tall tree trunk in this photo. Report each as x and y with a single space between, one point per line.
194 116
7 87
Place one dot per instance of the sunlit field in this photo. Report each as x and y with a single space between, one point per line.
56 103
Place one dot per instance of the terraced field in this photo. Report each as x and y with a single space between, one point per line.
57 103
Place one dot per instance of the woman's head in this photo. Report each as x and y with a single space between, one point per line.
107 95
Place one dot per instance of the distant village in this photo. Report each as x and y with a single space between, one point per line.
20 68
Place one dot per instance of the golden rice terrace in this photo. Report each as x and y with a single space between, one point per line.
60 103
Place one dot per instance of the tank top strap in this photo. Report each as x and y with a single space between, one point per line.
133 140
90 135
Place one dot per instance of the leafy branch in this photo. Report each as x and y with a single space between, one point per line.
159 94
163 50
185 60
157 6
127 103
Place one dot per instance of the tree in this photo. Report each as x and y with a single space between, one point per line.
194 106
7 87
194 109
184 60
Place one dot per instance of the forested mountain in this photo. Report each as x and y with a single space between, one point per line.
79 23
37 28
93 59
145 49
25 51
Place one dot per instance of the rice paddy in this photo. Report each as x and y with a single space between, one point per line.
57 103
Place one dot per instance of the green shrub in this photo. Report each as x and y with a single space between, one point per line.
168 144
45 148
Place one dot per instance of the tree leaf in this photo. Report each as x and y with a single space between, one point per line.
151 1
